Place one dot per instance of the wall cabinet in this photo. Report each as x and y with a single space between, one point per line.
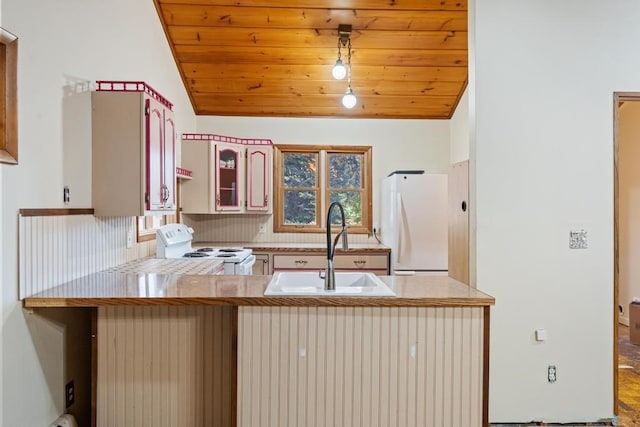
377 263
133 151
228 176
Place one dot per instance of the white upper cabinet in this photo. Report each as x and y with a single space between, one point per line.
198 195
133 151
228 177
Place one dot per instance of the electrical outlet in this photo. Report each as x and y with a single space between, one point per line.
262 228
552 373
66 195
70 393
129 239
578 239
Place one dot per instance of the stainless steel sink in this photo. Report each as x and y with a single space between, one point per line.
354 284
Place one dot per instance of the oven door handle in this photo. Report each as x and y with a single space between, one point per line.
250 260
246 266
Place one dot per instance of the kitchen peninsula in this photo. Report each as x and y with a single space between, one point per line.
213 350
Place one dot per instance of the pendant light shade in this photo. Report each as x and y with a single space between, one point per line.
339 70
349 99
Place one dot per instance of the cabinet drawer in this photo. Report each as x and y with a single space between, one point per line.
299 262
361 262
369 262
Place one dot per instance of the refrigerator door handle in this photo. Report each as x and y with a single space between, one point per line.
400 226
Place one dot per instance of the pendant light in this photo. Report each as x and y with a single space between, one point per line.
339 70
349 100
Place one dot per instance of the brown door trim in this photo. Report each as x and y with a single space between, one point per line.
618 100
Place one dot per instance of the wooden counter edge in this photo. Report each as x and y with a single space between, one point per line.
35 302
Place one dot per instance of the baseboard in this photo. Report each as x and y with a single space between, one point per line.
624 320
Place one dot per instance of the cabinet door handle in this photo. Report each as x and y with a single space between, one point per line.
165 193
359 262
301 262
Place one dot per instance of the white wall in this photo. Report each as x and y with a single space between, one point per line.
545 72
629 204
397 144
62 46
459 130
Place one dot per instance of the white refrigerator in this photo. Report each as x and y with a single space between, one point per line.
414 221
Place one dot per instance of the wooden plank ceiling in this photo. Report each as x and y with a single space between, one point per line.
274 57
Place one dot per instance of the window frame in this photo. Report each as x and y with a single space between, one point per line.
322 204
144 234
8 97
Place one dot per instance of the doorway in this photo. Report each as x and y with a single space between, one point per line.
626 225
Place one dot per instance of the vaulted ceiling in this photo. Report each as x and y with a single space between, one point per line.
274 57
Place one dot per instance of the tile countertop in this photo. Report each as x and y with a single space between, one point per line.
169 266
140 289
294 247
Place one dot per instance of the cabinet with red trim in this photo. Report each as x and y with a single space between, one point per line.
133 150
230 175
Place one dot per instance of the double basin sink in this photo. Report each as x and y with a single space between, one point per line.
307 283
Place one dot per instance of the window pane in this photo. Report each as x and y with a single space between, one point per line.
300 170
299 207
345 171
351 201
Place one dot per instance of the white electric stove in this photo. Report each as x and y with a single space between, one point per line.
174 241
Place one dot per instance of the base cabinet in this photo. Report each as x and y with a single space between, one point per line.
360 366
188 366
352 261
165 366
262 267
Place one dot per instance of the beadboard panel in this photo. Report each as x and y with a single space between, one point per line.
165 366
246 228
326 366
56 249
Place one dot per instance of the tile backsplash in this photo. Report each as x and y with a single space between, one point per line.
246 228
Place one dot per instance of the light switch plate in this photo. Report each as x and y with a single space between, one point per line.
578 239
541 335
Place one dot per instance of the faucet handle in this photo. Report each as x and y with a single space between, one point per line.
322 274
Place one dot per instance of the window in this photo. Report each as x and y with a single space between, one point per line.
310 178
146 226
